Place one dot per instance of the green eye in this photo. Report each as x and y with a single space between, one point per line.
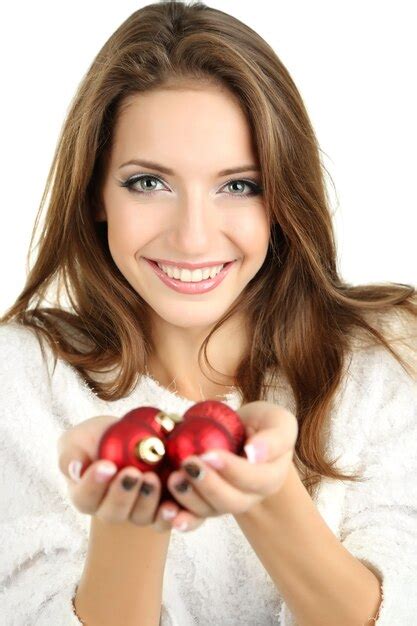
130 183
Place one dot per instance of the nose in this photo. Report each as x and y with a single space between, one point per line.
196 225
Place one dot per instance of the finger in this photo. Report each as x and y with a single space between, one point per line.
186 521
182 489
259 478
213 489
89 492
89 432
120 497
278 425
260 414
147 501
164 516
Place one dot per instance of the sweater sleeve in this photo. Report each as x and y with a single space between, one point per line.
42 550
380 519
43 537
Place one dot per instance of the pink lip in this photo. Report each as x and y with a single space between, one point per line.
191 288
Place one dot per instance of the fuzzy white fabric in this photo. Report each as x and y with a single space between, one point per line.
212 575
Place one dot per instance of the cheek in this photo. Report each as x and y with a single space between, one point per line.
129 231
121 240
252 232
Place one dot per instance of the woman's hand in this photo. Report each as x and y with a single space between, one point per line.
240 483
107 498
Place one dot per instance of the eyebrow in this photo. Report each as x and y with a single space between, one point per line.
166 170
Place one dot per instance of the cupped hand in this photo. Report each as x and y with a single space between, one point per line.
105 496
239 482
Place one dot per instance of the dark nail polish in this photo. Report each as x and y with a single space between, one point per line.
183 486
146 489
192 470
129 482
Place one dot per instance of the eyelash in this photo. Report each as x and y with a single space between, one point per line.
256 189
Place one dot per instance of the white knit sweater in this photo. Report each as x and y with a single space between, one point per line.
212 575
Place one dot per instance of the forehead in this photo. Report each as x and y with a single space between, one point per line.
169 123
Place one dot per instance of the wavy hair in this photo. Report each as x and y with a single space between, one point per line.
302 316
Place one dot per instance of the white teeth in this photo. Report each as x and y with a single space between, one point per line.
193 276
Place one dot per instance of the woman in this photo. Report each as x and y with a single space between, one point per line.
318 370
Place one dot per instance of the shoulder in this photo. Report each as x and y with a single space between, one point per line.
383 392
15 335
23 350
399 327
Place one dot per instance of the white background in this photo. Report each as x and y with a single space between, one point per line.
353 63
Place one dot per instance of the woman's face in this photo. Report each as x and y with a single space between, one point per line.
194 213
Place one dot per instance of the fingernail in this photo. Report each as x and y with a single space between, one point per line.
168 514
146 489
104 471
256 451
129 482
74 470
194 470
212 459
180 525
183 486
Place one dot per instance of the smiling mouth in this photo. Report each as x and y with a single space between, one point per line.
193 287
221 266
189 266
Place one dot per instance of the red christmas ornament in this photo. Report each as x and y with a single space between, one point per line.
131 443
138 438
160 421
195 436
152 440
224 415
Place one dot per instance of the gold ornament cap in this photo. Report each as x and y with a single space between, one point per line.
151 449
168 421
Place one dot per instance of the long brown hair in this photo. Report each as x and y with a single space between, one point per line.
302 316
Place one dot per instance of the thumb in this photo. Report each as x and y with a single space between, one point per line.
72 460
257 449
77 447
